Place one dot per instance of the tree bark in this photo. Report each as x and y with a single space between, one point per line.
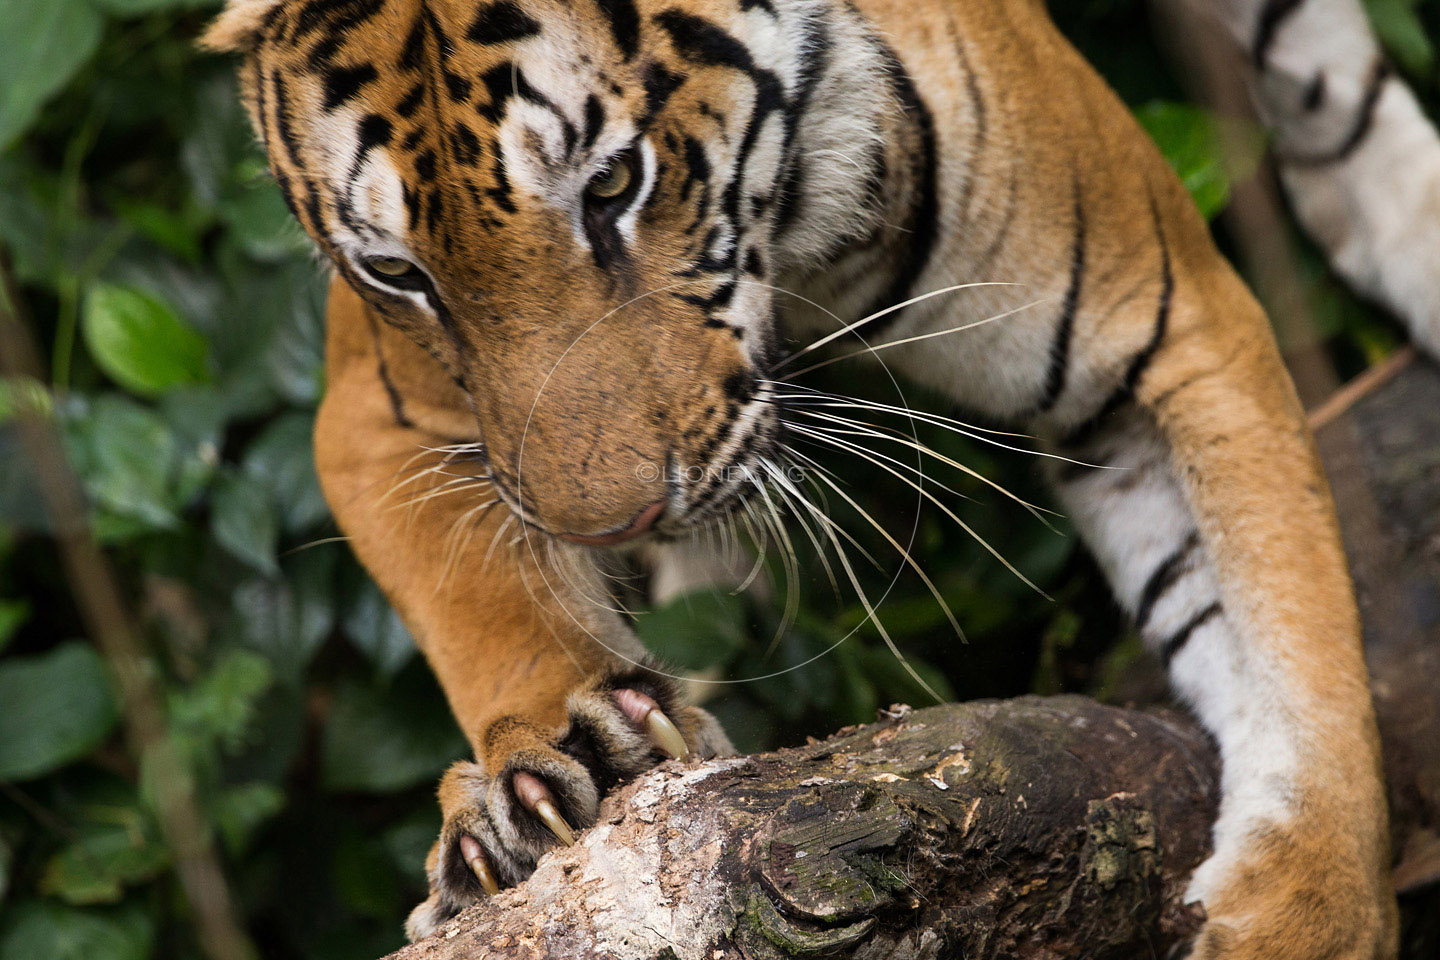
1030 828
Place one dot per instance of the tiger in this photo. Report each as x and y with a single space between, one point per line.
571 241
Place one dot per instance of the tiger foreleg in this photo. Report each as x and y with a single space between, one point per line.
553 691
1211 517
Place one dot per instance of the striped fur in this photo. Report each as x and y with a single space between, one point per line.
1357 156
583 362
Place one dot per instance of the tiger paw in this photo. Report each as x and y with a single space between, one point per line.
548 784
1296 891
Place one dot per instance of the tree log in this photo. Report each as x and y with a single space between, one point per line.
1030 828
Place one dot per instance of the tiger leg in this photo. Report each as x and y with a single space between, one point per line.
1357 156
547 684
1215 528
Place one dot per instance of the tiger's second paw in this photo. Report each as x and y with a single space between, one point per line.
547 784
1298 891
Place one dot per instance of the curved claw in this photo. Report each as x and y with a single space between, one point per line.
546 811
666 735
644 711
536 798
473 855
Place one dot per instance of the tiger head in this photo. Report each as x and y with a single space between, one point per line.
573 205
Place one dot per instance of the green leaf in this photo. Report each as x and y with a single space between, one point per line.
133 466
287 618
220 707
695 631
1209 152
116 845
37 930
140 342
380 739
282 459
244 522
180 232
134 8
895 683
240 811
1397 24
261 224
13 614
46 41
376 629
59 706
22 396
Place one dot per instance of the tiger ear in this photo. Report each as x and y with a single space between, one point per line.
239 26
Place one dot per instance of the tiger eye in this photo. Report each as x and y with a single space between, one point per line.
390 266
612 181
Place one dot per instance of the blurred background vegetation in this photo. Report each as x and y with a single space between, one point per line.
178 310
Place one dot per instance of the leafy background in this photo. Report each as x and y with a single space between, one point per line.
179 312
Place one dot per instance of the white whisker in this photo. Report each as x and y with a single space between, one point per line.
851 327
861 452
876 348
870 611
895 436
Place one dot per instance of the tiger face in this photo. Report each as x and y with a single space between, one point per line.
575 212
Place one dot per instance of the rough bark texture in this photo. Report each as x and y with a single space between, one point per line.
1030 828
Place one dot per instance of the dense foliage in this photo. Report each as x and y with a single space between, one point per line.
179 311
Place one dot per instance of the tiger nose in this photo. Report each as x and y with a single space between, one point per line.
643 521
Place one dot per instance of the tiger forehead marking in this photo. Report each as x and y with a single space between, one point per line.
464 140
470 104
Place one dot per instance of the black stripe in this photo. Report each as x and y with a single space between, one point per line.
1364 120
1172 646
335 16
375 131
624 22
1086 431
594 121
501 22
1165 576
397 405
703 41
660 83
815 47
700 41
923 224
501 193
290 153
413 52
465 147
1271 16
717 299
342 84
407 107
697 166
1314 97
506 80
257 81
1065 328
